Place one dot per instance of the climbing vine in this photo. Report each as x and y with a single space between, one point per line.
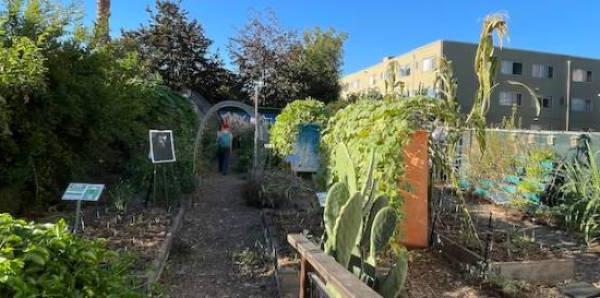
384 126
284 131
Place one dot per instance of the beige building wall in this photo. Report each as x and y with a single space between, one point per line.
544 72
418 72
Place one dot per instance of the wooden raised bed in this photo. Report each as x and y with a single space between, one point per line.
327 269
539 271
278 223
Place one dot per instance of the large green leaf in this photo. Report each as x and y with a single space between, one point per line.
345 167
393 283
378 204
382 230
337 196
347 227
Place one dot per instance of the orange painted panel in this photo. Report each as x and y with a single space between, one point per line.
414 190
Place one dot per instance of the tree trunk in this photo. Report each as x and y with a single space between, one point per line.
102 25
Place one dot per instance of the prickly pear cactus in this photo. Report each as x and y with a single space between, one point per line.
344 167
392 285
337 196
359 225
378 204
347 227
382 230
369 185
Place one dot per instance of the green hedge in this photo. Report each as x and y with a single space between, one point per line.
69 111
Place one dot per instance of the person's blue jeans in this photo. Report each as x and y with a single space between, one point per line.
223 156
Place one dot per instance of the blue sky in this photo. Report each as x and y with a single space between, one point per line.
390 27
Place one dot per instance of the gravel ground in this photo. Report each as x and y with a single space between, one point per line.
215 228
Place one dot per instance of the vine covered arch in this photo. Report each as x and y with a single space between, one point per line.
262 129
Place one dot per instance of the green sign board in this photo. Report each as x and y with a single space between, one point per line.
83 192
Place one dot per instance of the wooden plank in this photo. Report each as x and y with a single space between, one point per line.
456 252
545 271
328 269
414 189
159 263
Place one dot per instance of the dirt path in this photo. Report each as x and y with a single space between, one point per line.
216 228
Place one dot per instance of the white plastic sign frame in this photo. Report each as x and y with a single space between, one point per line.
169 134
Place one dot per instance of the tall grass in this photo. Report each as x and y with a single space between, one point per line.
581 197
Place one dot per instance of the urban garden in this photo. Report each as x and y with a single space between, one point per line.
375 195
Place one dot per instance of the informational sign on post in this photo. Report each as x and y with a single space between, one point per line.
82 192
162 146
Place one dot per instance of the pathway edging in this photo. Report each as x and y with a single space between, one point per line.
158 265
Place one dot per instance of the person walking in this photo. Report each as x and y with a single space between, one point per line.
224 142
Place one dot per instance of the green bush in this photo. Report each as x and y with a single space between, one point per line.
384 126
72 112
46 260
285 130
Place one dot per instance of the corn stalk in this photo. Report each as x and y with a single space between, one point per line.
486 65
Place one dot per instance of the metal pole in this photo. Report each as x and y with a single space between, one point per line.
77 217
255 155
568 99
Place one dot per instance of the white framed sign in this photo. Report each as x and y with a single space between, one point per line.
162 146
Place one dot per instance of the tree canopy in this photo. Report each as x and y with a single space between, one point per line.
284 65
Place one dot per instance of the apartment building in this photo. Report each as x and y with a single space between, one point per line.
546 73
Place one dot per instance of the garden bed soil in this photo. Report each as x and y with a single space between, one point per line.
140 231
538 240
282 222
515 235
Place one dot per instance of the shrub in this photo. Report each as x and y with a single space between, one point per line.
284 131
46 260
580 203
69 111
381 125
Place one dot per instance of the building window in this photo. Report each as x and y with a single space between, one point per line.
404 71
581 75
510 67
547 102
372 80
506 67
508 98
581 105
428 64
542 71
517 68
430 92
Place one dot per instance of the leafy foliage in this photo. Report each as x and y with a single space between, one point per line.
89 120
46 260
177 49
581 197
382 126
317 64
285 66
283 133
